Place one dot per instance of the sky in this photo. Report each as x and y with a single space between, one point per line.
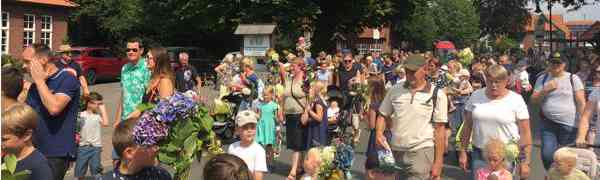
588 12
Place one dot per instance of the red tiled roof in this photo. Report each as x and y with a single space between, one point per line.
557 20
589 34
579 22
65 3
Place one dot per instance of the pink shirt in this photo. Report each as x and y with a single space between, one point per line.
483 173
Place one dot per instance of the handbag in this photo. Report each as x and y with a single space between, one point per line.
304 117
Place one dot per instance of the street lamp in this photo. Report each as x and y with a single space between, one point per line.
550 19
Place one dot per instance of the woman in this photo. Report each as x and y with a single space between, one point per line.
586 134
294 105
558 120
495 112
317 124
162 81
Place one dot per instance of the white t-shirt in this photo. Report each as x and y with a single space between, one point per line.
254 156
496 118
90 125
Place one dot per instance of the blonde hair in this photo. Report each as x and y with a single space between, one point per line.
495 145
269 90
320 86
18 119
248 63
456 66
496 72
566 154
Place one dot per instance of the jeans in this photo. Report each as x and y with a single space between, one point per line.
88 156
554 136
59 166
456 117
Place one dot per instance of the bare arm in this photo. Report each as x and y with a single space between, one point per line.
84 85
440 144
580 100
165 88
465 136
258 175
104 115
318 114
525 141
584 121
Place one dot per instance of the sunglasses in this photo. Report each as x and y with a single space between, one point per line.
66 53
132 49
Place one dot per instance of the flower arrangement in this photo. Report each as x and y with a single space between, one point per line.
336 162
512 151
180 127
466 56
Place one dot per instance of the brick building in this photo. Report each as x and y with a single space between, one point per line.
25 22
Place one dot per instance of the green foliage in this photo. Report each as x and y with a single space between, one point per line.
503 44
9 166
185 141
8 59
502 17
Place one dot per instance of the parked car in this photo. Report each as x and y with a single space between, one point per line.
97 63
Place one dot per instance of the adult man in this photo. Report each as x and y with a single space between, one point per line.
54 95
186 76
561 98
134 79
416 135
348 73
67 62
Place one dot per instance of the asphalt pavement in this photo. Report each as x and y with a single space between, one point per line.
111 90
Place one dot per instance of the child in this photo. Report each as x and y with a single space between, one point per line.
564 166
90 145
269 111
226 167
311 164
136 161
318 122
495 153
247 149
18 124
376 93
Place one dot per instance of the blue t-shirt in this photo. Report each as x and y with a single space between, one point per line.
37 164
55 135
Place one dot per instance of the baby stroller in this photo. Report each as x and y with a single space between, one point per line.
224 125
340 131
587 161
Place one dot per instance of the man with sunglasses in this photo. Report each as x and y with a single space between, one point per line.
418 123
67 62
347 73
54 95
135 76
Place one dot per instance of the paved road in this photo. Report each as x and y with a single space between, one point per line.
110 91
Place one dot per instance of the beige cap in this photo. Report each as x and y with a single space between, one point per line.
245 117
64 48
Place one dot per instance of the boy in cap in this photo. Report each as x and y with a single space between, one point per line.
247 149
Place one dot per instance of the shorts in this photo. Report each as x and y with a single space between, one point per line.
295 133
372 161
88 156
418 163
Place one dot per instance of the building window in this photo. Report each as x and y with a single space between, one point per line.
46 35
4 27
28 29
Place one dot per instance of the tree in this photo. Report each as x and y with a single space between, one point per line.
421 28
502 17
458 21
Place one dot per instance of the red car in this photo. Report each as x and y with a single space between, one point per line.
97 63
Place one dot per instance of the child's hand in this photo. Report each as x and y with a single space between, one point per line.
102 107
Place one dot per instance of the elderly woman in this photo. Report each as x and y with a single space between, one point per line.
294 104
495 112
560 96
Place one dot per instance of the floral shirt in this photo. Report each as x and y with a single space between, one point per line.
134 79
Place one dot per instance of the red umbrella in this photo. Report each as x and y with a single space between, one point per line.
445 45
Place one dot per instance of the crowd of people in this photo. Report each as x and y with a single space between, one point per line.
414 106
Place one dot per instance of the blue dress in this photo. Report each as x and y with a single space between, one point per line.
265 130
317 131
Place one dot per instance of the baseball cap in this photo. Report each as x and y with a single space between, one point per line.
556 59
414 62
246 117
